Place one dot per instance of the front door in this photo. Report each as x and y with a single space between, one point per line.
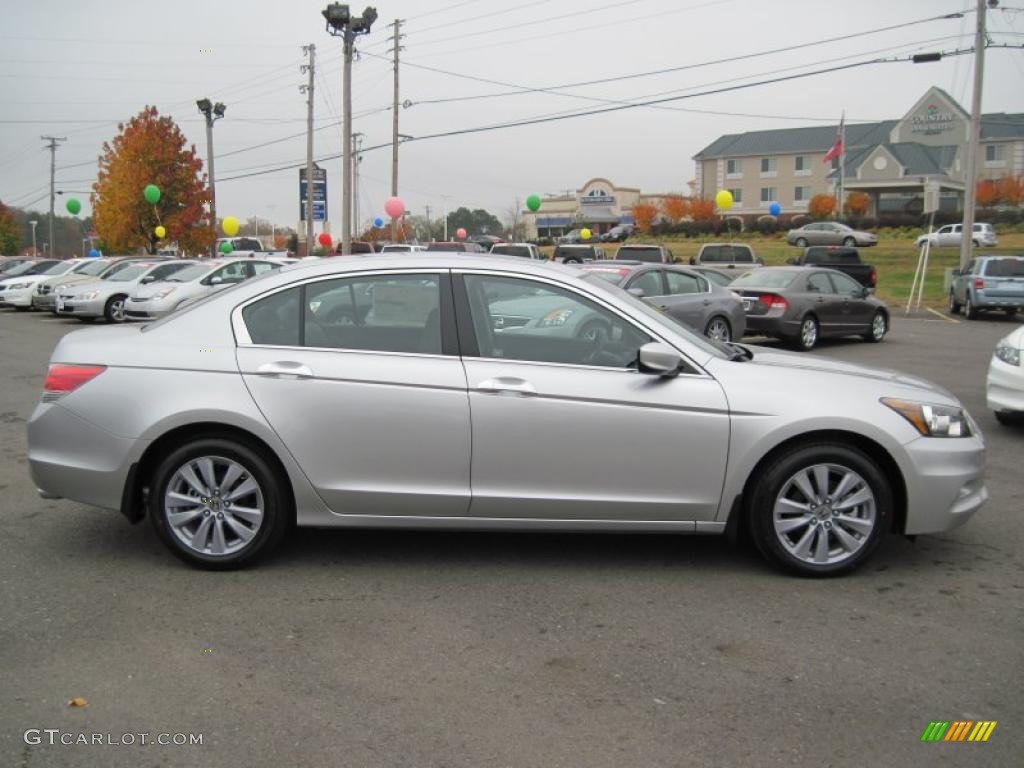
356 377
565 427
856 311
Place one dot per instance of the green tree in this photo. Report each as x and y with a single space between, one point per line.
9 237
476 222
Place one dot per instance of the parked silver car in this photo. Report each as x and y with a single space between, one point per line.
106 298
829 233
951 235
154 298
987 283
230 420
44 296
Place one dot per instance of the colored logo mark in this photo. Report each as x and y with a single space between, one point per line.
958 730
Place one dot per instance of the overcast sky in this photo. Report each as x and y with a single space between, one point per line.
75 69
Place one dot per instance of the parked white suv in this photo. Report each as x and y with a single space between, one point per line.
950 236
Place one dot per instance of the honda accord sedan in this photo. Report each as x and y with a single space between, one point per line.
253 409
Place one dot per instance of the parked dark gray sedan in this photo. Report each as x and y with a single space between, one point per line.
803 304
690 297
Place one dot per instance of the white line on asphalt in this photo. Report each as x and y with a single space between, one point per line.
947 318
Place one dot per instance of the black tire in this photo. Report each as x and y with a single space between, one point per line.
954 305
772 480
114 310
1009 419
277 511
970 311
976 244
849 242
1011 311
22 309
801 242
806 341
872 334
722 323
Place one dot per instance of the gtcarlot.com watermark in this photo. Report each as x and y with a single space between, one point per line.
55 737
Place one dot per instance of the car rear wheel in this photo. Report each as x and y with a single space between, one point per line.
114 311
218 504
808 336
954 305
879 327
802 242
1009 419
718 329
820 509
849 241
970 311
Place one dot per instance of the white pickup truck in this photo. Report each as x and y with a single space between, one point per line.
248 246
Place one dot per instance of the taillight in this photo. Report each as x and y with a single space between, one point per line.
61 379
979 284
874 278
773 301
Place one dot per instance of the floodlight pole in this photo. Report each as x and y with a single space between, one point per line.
212 113
974 138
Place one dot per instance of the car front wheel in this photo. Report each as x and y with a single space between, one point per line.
218 504
849 241
114 311
820 509
802 242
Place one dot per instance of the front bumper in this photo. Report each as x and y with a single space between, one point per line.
145 310
1004 387
44 302
22 297
76 307
945 482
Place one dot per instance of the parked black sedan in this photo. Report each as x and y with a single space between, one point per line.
804 304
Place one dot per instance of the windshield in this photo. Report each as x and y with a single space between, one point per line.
57 269
185 274
91 268
40 267
765 278
637 253
129 273
645 309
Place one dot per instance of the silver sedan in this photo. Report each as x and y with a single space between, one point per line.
829 233
108 296
253 409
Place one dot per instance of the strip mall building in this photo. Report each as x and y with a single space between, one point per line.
598 205
893 161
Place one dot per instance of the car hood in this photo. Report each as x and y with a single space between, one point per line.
68 279
149 290
1014 339
766 356
103 286
31 279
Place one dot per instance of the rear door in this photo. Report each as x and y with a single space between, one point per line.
688 298
366 389
825 303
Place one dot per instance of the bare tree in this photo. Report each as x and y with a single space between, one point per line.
513 220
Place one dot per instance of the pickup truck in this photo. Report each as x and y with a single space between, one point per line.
841 258
242 247
647 253
726 256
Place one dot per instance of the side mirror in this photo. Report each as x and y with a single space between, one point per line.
693 260
865 292
638 292
955 272
216 280
657 359
147 280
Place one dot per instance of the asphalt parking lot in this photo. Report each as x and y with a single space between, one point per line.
444 649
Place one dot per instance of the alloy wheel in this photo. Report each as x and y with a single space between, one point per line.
718 330
808 333
117 311
878 327
824 514
213 505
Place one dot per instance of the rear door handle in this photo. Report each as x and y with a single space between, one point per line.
506 385
285 369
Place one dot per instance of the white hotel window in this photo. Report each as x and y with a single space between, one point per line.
995 155
733 169
769 167
801 166
801 195
768 195
737 197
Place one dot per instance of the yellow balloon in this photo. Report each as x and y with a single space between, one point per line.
230 226
160 232
585 234
724 199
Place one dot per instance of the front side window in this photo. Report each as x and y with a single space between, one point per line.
259 267
649 282
819 283
231 273
846 286
275 320
681 283
517 319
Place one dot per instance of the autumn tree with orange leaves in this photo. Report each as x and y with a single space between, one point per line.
821 206
857 204
150 149
644 215
675 208
987 193
702 210
1011 190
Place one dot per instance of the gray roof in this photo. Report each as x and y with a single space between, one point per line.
916 159
820 138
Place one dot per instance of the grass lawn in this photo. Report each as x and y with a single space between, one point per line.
895 258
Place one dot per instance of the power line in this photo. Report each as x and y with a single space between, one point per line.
439 11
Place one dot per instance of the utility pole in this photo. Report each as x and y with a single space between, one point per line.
33 222
52 145
357 158
212 112
430 232
397 37
341 23
974 137
308 89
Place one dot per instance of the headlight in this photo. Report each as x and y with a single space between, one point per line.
18 286
89 295
932 420
1008 354
555 318
59 288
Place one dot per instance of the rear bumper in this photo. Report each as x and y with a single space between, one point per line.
1004 388
945 482
777 327
981 300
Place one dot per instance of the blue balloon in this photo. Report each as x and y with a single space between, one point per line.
774 209
378 222
94 254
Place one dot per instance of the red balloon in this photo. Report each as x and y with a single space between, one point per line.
325 240
460 233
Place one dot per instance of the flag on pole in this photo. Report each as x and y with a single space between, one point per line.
837 148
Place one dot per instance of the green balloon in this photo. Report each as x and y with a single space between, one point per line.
533 202
152 194
73 206
226 247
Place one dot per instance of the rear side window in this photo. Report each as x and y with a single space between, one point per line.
275 319
640 254
1005 268
511 250
680 282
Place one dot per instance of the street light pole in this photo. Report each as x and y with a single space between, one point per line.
33 222
341 23
212 113
974 137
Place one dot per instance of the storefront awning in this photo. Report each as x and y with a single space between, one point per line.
555 221
599 215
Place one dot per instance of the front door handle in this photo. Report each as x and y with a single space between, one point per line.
285 369
506 385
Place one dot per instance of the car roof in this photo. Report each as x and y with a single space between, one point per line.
639 245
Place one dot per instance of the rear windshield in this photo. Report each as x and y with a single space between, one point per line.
1005 268
610 274
764 278
710 254
819 255
447 247
639 253
512 250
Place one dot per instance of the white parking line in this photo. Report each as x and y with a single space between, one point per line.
947 318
